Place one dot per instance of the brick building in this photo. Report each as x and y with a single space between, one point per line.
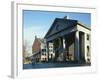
39 50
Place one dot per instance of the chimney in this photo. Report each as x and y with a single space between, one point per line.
65 17
35 36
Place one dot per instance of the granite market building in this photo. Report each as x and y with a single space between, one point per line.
67 40
70 40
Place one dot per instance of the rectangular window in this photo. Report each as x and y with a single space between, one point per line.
43 50
88 36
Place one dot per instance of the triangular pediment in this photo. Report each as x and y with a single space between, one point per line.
60 25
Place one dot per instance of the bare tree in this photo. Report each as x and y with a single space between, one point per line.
25 51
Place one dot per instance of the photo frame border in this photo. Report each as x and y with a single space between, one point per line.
16 30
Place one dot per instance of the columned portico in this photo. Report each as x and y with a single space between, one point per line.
73 38
72 47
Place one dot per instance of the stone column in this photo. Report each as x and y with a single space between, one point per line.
64 45
77 50
63 38
85 39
